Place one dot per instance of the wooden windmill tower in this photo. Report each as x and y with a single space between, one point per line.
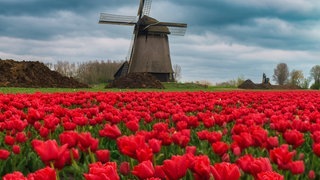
150 51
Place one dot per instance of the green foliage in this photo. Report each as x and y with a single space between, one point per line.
100 88
232 83
315 86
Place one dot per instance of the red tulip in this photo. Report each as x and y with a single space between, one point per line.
48 150
191 150
244 163
316 149
220 148
69 137
74 153
222 171
69 126
181 125
281 156
21 137
16 149
311 174
99 171
212 137
34 115
124 168
259 136
144 170
182 139
9 140
165 138
272 142
294 137
269 175
86 141
260 165
144 154
103 155
80 120
110 131
4 154
45 173
129 144
155 145
316 136
176 167
14 176
159 173
201 167
296 167
244 140
44 132
236 150
133 126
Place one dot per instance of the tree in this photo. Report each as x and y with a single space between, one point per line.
315 74
177 72
281 73
306 83
296 78
65 68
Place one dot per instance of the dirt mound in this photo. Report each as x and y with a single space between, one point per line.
33 74
248 84
136 80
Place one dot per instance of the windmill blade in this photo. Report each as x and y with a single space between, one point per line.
130 47
141 5
106 18
177 31
147 7
182 25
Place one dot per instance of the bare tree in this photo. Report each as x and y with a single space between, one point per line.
65 68
95 72
315 74
281 73
177 72
92 72
296 77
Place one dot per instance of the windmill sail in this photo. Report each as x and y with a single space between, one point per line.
147 7
177 31
106 18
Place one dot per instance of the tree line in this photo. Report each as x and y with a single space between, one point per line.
282 76
91 72
95 72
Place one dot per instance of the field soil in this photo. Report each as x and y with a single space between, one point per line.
248 84
33 74
136 80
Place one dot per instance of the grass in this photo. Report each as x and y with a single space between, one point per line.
100 88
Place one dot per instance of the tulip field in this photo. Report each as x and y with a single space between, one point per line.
253 135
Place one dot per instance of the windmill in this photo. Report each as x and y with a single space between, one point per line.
149 51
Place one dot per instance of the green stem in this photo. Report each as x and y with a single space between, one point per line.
91 155
57 172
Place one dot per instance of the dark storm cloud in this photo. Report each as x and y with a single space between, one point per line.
45 8
44 19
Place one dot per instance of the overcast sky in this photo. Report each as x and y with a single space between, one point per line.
225 39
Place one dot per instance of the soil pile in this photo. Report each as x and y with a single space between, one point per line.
136 80
248 84
33 74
